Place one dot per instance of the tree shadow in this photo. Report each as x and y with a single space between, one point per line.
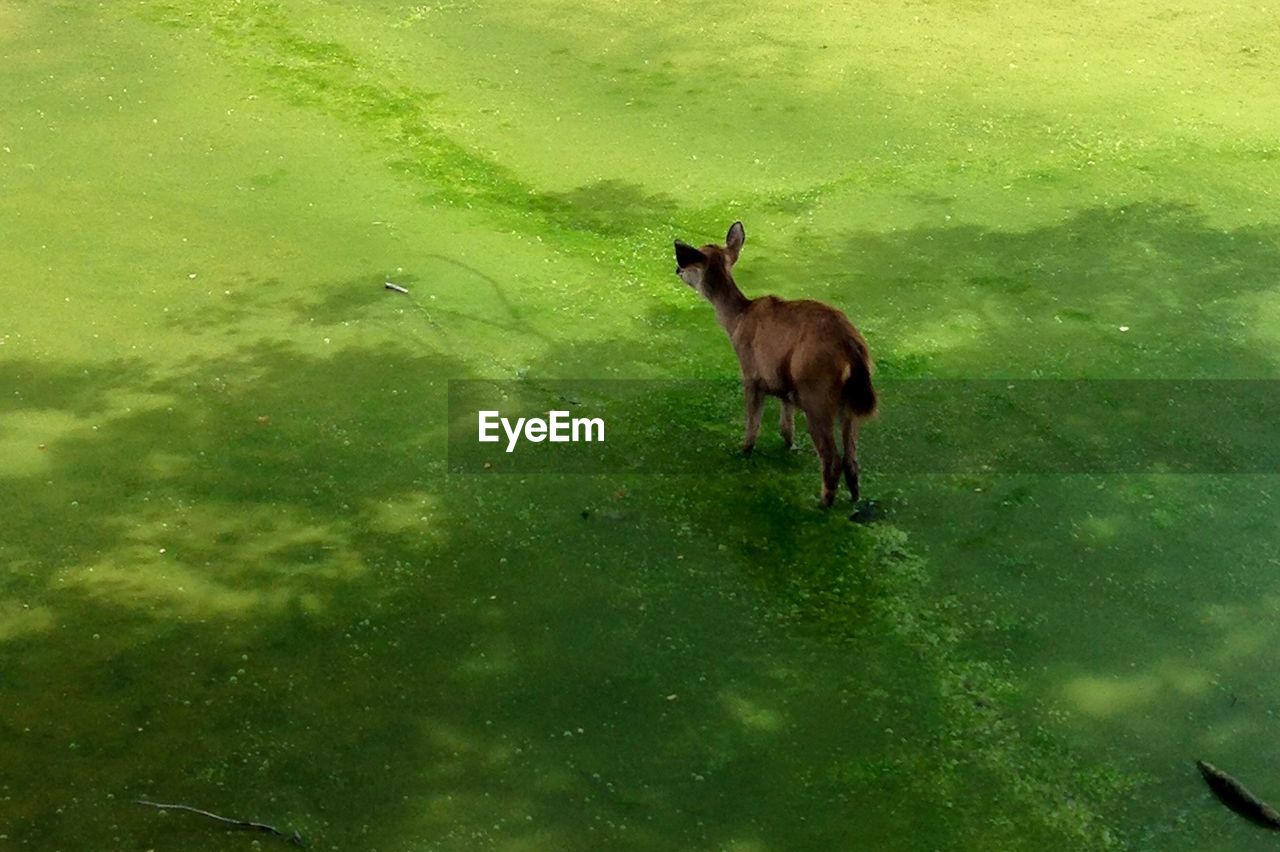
77 390
264 599
1128 291
609 207
245 584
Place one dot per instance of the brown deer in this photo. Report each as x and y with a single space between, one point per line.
805 353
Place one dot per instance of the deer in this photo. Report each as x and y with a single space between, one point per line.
804 352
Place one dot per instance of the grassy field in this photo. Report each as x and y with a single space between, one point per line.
235 570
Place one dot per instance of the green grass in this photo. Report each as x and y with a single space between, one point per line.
235 572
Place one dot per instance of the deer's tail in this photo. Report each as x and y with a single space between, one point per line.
857 392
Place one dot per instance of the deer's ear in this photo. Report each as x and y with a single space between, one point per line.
688 255
733 242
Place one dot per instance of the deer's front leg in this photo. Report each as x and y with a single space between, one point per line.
754 403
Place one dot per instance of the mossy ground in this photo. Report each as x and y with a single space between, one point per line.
237 574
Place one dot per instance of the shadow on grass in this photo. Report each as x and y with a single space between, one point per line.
609 207
250 588
78 390
1052 300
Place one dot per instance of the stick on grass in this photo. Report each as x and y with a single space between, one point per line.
239 824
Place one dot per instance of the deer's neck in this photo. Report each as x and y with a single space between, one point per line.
729 303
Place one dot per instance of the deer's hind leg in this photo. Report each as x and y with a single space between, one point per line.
787 424
753 399
849 432
821 423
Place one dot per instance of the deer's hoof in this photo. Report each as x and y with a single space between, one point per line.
865 512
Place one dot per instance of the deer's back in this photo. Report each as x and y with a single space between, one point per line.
789 345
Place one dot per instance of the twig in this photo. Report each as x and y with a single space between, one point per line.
244 825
